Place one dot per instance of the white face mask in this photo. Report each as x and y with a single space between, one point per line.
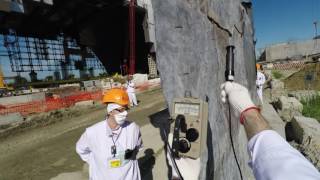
121 117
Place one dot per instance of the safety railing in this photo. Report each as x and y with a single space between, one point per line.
54 103
50 103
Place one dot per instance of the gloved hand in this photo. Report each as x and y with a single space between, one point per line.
237 95
189 168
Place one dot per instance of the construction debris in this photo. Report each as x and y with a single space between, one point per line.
307 135
288 107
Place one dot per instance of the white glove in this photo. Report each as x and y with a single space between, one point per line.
237 95
189 168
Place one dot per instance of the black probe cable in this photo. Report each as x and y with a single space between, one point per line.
171 157
232 145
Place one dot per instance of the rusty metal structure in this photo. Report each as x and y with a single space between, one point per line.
132 36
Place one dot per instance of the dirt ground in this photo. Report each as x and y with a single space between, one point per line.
45 152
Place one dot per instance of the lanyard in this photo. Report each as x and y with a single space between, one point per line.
114 147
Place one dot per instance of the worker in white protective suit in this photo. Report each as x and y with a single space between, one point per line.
110 146
131 92
261 79
272 158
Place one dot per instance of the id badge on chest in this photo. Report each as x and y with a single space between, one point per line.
114 162
117 159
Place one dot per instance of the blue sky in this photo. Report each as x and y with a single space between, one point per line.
284 20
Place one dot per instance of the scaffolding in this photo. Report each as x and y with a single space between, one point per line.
63 54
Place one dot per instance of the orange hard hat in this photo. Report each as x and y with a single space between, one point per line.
116 95
258 66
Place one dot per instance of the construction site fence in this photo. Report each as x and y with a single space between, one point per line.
55 103
50 103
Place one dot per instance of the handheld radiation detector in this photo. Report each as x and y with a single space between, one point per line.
190 127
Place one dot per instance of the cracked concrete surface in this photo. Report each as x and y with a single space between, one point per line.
191 38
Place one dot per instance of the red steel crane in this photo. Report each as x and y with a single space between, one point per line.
132 37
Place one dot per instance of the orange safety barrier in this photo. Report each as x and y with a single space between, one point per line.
24 108
50 103
54 103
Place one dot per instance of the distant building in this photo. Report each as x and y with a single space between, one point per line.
291 51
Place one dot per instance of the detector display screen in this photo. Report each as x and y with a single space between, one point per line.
187 109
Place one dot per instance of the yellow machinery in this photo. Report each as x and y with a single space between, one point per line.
2 84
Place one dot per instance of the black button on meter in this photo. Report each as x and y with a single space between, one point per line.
192 134
184 145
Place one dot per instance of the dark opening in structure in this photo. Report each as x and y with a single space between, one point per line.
100 25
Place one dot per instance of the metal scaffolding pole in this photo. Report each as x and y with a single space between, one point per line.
132 36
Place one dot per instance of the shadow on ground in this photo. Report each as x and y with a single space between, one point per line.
161 120
146 164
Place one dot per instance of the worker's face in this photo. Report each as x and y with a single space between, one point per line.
119 115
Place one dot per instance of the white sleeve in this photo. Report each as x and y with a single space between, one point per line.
82 147
272 158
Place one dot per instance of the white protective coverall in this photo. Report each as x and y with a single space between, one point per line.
261 79
131 93
94 147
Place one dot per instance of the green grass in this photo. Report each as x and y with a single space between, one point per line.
276 74
311 108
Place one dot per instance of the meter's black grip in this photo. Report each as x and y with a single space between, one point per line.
176 133
229 63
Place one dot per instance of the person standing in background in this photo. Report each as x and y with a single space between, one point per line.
261 79
131 92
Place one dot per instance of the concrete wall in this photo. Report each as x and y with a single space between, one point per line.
191 39
292 50
22 98
148 24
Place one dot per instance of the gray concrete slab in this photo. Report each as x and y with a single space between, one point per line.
10 118
191 58
22 98
271 115
84 103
